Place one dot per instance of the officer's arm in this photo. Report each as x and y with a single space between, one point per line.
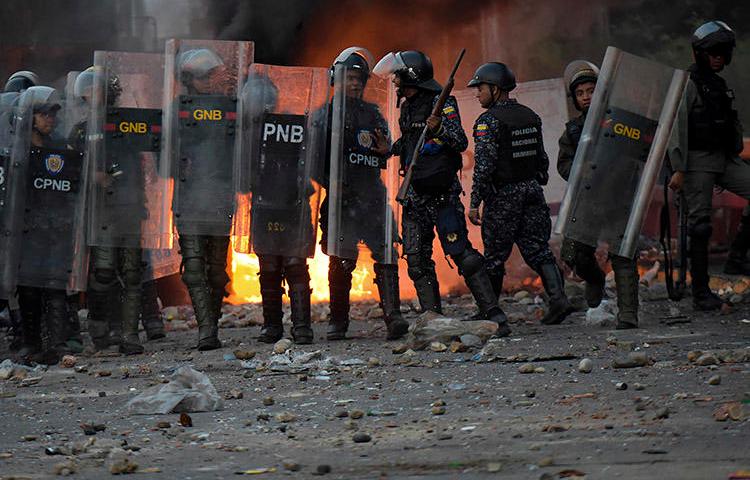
451 132
485 153
677 151
543 167
565 155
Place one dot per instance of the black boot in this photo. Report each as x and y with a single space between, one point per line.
299 299
386 278
737 263
273 329
208 326
150 313
485 295
54 327
588 269
130 309
496 279
428 292
626 278
100 309
559 306
339 286
703 298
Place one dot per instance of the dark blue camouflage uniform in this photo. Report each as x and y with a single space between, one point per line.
513 212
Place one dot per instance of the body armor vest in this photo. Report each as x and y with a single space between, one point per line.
434 174
520 143
713 125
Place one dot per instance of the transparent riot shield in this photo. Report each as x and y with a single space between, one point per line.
15 133
621 151
50 241
284 112
363 181
130 185
202 79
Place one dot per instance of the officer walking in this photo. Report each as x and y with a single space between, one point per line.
356 207
709 155
581 77
510 169
433 199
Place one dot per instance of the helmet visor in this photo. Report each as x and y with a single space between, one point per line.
389 65
362 52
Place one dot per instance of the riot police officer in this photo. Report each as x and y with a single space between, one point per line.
360 208
510 169
21 81
433 199
714 140
581 77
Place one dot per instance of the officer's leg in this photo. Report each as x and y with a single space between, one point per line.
501 217
454 238
533 242
74 341
298 278
698 189
386 278
218 279
30 305
339 284
418 235
150 312
193 251
54 326
581 259
131 273
736 179
271 291
626 278
100 295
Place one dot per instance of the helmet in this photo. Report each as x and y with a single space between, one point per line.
85 83
578 72
197 63
412 67
354 58
714 36
41 99
20 81
494 73
260 88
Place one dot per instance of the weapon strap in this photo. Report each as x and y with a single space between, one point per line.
665 239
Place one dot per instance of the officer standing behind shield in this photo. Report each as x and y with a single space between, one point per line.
357 205
510 169
581 77
433 199
709 154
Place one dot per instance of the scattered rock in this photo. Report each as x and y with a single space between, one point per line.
123 466
92 428
527 368
438 410
438 347
163 425
400 348
244 354
546 462
291 465
185 420
361 438
714 380
494 467
633 360
707 359
29 438
639 386
471 341
68 467
323 469
661 413
234 394
585 365
268 401
539 370
286 417
68 361
282 346
356 414
621 386
373 362
727 411
694 355
457 347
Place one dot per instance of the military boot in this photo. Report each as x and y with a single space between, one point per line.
559 306
626 278
339 287
114 316
208 325
496 280
100 310
594 278
299 299
130 315
150 313
386 278
54 327
703 298
428 292
737 263
484 294
273 329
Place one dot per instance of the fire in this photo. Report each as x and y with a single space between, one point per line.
245 287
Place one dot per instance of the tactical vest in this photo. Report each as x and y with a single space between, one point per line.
434 173
520 143
713 125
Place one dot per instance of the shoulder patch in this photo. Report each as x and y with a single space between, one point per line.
449 111
481 129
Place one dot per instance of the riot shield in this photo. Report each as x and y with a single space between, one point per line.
363 183
129 190
202 79
51 249
15 133
284 112
621 151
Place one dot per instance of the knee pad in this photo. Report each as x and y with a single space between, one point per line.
102 279
469 262
702 229
296 272
338 267
417 268
193 272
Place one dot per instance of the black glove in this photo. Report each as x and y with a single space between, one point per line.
542 177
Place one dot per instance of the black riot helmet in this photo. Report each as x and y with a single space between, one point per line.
20 81
413 68
714 37
494 73
354 58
